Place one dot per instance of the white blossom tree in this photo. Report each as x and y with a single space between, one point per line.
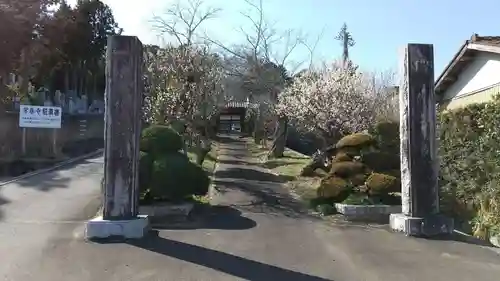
184 85
332 100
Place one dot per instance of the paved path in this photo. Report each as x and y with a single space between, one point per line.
255 232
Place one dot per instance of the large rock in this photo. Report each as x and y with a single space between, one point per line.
332 187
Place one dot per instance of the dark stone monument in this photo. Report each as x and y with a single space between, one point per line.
123 99
419 162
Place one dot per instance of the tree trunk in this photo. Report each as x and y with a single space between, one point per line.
23 89
279 142
258 129
67 70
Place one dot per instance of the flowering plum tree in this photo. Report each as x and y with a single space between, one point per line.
332 100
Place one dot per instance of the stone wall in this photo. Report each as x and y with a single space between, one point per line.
78 134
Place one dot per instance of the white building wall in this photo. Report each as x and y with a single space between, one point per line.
481 73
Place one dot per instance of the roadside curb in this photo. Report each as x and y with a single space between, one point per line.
467 238
55 167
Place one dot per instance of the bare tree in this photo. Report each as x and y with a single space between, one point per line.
183 20
312 48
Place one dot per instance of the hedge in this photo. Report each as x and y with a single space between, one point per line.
166 174
160 139
469 151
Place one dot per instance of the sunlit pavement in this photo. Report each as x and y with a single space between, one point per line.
255 232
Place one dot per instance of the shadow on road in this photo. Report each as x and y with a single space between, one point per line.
210 217
265 198
2 202
276 164
230 264
55 179
236 162
251 174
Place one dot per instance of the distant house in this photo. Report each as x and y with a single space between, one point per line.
473 75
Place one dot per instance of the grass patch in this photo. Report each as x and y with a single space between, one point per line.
291 164
257 151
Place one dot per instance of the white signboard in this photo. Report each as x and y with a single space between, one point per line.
32 116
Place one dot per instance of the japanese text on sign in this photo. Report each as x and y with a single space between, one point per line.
32 116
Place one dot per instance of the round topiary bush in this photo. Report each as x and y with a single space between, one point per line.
346 169
341 157
380 160
387 136
357 140
175 178
381 183
160 140
145 167
358 179
332 187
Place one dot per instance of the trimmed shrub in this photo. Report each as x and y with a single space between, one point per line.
179 126
175 178
342 157
159 140
381 161
332 187
346 169
357 140
380 183
358 179
470 164
386 134
145 169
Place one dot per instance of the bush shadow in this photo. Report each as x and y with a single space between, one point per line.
211 217
53 179
233 265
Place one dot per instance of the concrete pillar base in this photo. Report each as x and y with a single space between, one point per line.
99 228
421 227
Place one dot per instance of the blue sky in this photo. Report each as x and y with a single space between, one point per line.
380 28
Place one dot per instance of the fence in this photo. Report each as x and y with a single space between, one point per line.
78 134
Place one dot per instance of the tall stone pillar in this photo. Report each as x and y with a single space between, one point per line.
123 100
419 160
